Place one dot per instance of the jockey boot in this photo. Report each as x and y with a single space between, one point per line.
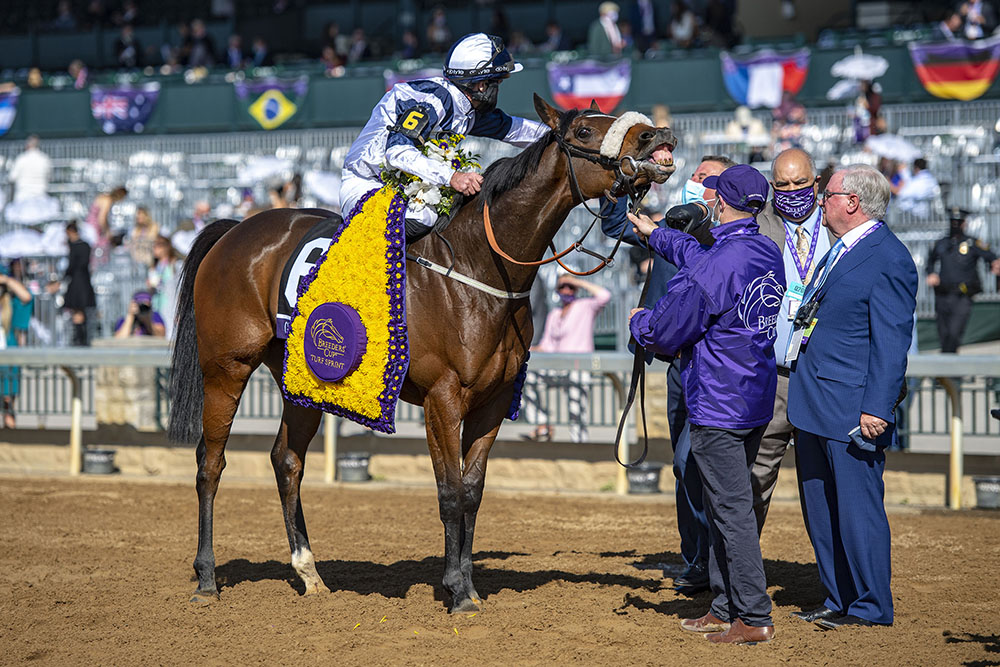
416 231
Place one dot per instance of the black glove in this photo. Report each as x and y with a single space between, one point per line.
691 219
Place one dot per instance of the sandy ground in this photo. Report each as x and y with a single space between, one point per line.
97 571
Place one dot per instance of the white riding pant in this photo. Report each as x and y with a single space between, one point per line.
354 187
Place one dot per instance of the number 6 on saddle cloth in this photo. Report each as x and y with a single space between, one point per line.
413 123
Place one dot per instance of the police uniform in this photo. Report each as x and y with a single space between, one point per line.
414 111
958 255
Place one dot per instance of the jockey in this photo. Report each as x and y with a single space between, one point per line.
463 101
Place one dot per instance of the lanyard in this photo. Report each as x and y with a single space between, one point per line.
790 242
836 251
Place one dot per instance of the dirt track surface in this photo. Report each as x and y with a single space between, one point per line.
97 571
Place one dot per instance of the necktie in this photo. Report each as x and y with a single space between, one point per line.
802 250
828 260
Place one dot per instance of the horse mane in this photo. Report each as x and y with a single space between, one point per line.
507 173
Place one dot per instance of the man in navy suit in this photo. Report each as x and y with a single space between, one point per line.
848 355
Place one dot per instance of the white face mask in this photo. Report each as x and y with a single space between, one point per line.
612 16
716 214
692 192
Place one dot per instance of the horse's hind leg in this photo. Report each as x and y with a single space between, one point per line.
223 388
298 426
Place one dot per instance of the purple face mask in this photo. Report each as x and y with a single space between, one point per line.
795 204
567 297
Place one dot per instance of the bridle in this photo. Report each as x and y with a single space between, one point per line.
624 185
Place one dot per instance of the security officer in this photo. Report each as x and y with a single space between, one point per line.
958 279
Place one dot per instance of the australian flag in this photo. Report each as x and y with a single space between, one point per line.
123 109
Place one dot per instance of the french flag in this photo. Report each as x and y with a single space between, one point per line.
759 79
575 84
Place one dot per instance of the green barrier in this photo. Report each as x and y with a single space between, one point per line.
984 326
686 81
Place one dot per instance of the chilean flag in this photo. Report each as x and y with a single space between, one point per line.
575 84
759 79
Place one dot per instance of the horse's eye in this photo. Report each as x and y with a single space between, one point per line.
646 136
583 132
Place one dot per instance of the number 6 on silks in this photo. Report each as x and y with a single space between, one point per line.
413 123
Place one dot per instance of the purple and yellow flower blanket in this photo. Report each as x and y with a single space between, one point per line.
347 351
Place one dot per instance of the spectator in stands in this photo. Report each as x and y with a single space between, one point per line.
438 33
64 20
719 20
35 79
957 281
500 26
643 19
202 48
604 38
333 63
98 229
359 49
628 39
950 29
141 319
339 42
78 72
519 43
128 50
787 122
202 211
916 192
144 233
683 25
979 18
184 237
96 15
175 53
410 46
30 172
555 40
567 329
15 316
129 14
234 52
260 53
79 296
164 278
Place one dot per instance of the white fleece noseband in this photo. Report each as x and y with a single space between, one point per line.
613 140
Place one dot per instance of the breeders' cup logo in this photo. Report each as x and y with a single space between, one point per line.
326 338
760 305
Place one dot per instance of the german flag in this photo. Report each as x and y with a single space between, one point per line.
955 70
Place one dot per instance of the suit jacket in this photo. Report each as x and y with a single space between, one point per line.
598 43
855 360
773 227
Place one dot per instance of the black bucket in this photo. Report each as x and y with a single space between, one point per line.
353 467
99 461
645 477
987 492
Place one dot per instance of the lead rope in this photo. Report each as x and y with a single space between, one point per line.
638 380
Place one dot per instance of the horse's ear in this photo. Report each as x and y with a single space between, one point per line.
593 105
548 113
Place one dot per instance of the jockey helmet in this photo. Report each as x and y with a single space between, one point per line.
479 57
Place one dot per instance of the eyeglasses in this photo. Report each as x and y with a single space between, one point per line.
826 194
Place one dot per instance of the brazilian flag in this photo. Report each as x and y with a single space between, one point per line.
272 102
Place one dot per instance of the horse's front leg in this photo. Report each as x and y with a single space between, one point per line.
443 417
481 428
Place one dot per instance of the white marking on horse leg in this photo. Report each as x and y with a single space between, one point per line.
305 565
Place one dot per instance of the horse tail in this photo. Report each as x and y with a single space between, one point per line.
187 390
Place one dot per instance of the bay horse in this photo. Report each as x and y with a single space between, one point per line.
466 346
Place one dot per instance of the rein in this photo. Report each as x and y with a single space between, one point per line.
623 183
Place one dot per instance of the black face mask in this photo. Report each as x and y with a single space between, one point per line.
485 101
956 229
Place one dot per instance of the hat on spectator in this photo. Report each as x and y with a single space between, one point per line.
956 213
741 186
143 297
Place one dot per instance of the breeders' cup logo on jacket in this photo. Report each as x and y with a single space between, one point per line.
761 303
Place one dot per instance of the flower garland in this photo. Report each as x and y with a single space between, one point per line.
419 193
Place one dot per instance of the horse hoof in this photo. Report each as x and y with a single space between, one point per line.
466 606
316 589
204 596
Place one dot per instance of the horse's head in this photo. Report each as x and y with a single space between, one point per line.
605 149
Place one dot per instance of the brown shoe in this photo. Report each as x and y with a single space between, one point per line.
739 633
707 623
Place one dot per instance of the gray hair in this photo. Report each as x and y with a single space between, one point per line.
871 187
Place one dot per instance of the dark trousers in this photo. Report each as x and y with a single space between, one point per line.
735 567
953 310
841 489
692 523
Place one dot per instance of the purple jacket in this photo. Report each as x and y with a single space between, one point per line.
720 312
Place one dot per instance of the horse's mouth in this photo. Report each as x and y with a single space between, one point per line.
659 164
